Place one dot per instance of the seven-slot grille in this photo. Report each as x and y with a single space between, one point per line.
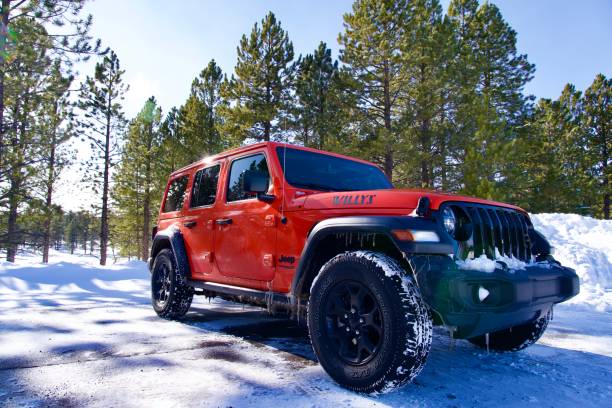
498 228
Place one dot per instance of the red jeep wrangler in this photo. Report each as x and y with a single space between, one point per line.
370 268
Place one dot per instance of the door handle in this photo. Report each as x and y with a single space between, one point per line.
223 221
190 224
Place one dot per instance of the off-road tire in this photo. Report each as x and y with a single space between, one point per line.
403 317
177 296
515 338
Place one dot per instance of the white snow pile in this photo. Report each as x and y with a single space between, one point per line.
585 244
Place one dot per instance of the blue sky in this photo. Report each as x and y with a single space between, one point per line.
163 45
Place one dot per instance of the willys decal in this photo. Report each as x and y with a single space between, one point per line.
354 199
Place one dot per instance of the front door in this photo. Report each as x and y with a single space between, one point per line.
245 236
198 228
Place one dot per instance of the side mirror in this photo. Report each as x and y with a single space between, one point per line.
258 183
255 182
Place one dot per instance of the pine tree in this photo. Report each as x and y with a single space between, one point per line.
375 75
260 89
462 79
100 100
497 105
544 156
317 110
198 119
25 82
148 149
172 143
136 185
598 120
425 53
39 40
58 129
59 28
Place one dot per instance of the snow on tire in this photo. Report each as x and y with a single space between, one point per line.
170 296
368 324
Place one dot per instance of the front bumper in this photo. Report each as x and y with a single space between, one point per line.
512 297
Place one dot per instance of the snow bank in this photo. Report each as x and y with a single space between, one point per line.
585 244
76 277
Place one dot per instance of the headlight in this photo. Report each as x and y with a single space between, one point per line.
449 220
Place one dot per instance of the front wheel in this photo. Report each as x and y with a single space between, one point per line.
170 295
515 338
368 324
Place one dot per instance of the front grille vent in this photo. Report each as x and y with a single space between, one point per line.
495 228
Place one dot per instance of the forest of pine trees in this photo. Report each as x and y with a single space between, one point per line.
434 97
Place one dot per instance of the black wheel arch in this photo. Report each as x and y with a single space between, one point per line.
335 235
173 239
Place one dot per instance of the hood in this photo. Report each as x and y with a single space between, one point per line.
388 199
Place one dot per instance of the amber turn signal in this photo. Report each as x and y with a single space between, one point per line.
403 235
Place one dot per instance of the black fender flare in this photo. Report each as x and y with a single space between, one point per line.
171 237
369 225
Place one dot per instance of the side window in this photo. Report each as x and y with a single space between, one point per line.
204 190
235 191
176 194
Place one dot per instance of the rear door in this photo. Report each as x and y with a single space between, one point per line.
172 207
198 228
245 236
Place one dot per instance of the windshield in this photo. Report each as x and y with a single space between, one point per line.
323 172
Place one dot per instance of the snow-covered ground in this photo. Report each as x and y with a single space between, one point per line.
73 334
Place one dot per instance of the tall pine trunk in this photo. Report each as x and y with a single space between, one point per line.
425 139
267 128
104 215
49 215
388 160
4 17
426 147
15 180
15 185
146 207
267 124
605 158
4 20
146 225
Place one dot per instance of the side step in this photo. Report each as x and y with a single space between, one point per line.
271 300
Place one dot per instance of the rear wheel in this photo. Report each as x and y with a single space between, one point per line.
368 325
170 295
515 338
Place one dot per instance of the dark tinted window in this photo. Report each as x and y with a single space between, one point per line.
235 191
328 173
204 190
176 194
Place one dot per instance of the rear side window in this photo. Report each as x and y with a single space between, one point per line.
204 190
235 190
176 194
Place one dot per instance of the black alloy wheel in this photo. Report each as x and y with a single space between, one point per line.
354 322
161 284
170 295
